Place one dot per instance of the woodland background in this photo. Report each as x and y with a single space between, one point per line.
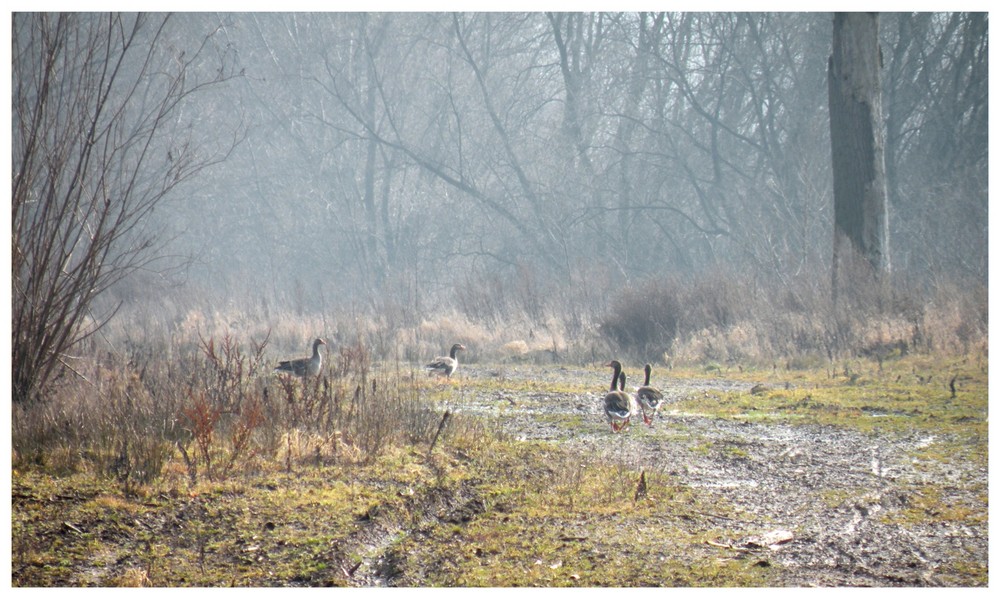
571 183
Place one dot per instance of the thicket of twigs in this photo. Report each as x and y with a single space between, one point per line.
214 409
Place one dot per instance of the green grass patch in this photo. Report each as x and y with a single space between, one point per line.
511 514
933 503
911 393
571 523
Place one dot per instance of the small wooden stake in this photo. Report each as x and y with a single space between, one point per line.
444 419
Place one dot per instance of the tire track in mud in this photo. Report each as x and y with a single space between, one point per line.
375 542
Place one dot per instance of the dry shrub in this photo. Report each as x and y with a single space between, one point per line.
956 320
47 436
526 315
110 421
231 369
648 321
733 319
434 337
130 578
516 348
644 320
217 408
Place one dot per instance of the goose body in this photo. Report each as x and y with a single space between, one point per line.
304 366
649 399
446 365
617 404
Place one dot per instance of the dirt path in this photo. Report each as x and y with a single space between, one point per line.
828 501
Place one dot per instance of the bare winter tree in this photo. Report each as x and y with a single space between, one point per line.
99 142
936 151
861 230
399 159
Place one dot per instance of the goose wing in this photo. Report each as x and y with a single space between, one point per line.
442 363
649 397
617 405
297 367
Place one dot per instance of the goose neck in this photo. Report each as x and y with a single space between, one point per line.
614 377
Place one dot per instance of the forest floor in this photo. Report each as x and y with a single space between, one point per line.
863 478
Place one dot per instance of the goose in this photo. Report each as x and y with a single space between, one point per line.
445 365
304 366
617 404
648 398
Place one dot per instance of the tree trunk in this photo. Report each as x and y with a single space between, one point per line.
861 231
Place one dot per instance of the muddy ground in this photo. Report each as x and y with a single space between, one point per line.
821 502
814 505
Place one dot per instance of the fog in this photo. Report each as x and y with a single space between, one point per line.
371 160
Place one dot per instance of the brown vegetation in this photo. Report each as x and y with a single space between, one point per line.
194 402
197 381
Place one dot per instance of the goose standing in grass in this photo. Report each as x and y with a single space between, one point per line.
648 398
304 366
446 365
617 403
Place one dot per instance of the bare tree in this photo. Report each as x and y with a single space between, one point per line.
98 144
860 215
397 158
936 107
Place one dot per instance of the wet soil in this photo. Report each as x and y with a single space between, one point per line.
816 505
830 505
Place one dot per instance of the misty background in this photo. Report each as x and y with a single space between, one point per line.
397 165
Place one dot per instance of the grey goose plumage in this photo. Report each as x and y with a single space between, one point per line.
617 403
304 366
649 398
446 365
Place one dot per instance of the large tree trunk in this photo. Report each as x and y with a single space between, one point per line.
861 230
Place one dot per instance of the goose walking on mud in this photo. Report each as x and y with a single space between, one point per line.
446 365
304 366
617 403
649 399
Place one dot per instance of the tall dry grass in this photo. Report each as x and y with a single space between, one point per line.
193 388
211 407
718 316
734 319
